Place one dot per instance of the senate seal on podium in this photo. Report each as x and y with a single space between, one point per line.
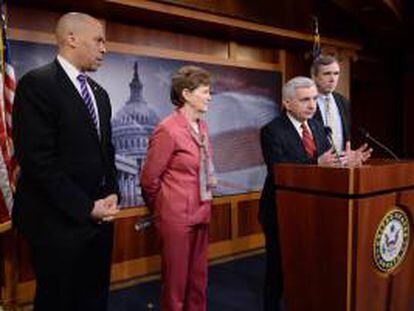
391 240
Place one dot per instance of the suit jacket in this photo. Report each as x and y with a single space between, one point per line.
344 108
65 167
170 174
281 143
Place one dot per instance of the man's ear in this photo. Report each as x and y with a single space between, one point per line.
72 41
286 104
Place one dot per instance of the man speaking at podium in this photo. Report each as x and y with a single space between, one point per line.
296 138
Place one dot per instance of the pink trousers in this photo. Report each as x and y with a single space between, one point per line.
184 266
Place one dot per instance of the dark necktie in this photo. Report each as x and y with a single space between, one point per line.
307 140
87 98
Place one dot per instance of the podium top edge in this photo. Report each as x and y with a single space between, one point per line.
374 163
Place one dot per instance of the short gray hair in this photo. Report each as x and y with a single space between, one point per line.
289 89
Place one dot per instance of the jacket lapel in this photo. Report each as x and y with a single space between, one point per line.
318 115
183 123
293 139
99 102
343 115
73 93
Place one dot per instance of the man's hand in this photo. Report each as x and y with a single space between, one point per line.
111 202
105 209
328 158
99 210
356 157
364 152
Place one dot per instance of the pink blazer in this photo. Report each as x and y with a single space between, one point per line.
170 174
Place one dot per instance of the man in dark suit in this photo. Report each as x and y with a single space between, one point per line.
296 138
334 110
67 191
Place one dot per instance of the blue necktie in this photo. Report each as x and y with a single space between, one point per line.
87 98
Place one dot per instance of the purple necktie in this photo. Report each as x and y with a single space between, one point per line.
87 98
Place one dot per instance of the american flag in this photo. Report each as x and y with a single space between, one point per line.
8 165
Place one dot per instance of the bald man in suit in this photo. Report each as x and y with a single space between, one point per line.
67 192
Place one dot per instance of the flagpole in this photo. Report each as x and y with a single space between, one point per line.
316 49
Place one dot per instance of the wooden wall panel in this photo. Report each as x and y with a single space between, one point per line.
248 222
8 273
137 35
256 53
220 226
288 14
131 244
33 19
137 254
25 272
2 270
296 64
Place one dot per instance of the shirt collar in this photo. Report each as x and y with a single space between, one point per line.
70 69
324 97
297 124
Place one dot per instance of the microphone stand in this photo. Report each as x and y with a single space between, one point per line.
378 143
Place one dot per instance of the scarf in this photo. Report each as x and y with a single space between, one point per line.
207 180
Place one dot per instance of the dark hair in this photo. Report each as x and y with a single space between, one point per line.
187 77
322 60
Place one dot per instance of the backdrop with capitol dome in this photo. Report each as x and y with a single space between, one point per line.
243 100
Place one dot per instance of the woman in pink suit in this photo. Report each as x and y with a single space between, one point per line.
176 180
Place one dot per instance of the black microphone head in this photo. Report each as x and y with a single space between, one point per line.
143 223
363 132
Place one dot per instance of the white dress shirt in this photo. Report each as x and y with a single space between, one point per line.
336 127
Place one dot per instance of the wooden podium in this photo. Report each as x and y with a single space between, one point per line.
329 221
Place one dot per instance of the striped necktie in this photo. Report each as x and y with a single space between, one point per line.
87 98
307 141
330 121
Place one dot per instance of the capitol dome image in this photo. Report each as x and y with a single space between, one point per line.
131 129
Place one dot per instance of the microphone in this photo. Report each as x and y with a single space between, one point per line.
365 134
144 223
